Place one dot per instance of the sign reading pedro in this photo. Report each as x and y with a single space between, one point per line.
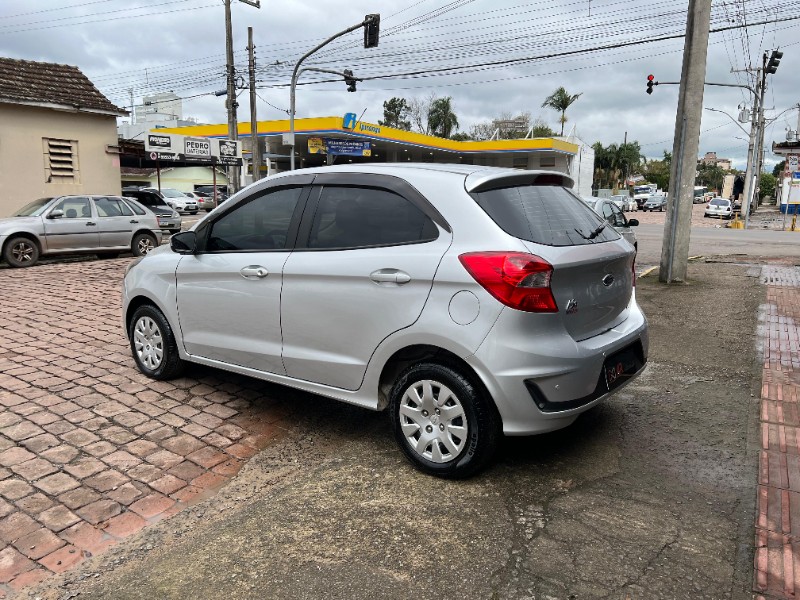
197 148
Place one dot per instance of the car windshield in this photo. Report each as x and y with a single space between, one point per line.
170 193
33 209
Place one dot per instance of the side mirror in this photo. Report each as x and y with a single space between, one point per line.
184 242
56 214
633 222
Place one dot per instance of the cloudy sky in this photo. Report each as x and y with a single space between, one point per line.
490 56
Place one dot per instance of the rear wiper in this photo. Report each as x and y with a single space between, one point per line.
597 231
594 233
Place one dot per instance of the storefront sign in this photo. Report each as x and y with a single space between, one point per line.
316 146
348 147
197 148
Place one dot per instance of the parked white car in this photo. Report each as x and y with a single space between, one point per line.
178 200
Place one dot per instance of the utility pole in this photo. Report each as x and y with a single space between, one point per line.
233 128
677 229
751 157
255 150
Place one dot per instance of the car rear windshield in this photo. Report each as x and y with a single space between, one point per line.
719 202
548 215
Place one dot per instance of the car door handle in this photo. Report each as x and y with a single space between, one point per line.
254 272
134 221
91 224
390 276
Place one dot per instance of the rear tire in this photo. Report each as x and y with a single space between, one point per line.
21 252
444 424
153 344
143 243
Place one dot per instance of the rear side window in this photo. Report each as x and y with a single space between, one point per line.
358 217
547 215
112 207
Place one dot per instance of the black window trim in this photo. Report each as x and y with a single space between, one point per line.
387 183
303 182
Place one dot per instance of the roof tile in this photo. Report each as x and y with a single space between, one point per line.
23 81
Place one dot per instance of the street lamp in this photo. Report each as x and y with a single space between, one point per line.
371 24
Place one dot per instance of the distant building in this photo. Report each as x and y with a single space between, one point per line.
155 112
58 134
710 159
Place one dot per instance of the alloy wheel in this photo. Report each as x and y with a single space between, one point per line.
23 252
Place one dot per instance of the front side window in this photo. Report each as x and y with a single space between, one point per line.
357 217
112 207
75 207
261 223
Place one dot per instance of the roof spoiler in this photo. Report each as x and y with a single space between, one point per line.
480 181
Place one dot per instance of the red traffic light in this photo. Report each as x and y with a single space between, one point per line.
650 77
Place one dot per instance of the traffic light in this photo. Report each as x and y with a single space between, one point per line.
650 79
372 25
774 61
349 80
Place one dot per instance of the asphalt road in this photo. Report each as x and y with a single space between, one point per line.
706 241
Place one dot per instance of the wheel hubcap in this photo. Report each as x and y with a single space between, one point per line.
148 343
433 421
22 252
145 245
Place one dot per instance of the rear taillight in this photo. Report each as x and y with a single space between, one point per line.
517 279
633 267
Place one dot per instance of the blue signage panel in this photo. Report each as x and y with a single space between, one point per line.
349 120
348 147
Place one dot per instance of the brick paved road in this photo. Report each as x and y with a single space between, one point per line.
91 451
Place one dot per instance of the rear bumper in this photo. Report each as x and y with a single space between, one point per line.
563 375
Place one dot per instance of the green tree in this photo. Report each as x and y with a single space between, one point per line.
778 169
442 121
616 162
766 185
461 136
560 101
711 176
657 172
541 129
395 114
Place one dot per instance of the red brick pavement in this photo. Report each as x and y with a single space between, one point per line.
91 450
777 527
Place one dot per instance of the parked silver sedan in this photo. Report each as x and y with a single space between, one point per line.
469 301
612 213
77 224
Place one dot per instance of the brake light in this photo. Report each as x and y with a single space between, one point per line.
517 279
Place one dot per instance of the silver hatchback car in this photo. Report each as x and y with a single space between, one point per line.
469 301
77 224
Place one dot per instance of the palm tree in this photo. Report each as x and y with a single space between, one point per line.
441 118
560 100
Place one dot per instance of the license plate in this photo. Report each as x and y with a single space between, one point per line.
620 367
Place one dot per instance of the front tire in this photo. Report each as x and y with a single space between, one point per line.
21 252
444 423
153 344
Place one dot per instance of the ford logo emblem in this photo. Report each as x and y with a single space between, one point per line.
608 280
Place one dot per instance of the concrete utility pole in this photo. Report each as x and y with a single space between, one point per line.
233 127
255 150
677 228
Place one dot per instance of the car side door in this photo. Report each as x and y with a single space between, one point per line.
367 253
229 291
115 221
74 228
